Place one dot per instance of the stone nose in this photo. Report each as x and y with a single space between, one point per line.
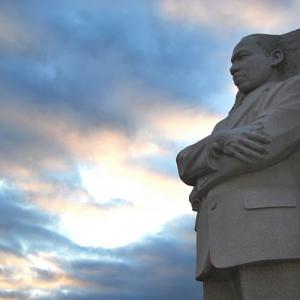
233 69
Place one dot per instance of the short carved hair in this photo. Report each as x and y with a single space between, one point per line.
289 43
267 42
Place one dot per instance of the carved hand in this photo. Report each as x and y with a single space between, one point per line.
246 143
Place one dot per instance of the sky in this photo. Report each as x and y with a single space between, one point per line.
96 100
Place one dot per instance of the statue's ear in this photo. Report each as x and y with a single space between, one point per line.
277 57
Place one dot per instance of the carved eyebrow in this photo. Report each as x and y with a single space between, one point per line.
239 53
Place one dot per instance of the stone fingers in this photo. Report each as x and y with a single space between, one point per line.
257 136
229 150
243 152
254 145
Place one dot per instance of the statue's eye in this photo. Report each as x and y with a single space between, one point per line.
241 56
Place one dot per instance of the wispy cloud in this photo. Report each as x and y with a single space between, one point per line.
260 16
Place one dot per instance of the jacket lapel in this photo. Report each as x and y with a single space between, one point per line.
248 104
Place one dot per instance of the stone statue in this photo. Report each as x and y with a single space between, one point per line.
246 178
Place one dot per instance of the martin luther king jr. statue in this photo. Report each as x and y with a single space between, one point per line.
246 178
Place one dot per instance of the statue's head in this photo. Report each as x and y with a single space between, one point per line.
256 60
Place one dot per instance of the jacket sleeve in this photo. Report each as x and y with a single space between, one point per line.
281 122
196 160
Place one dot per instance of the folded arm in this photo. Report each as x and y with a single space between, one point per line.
245 143
280 122
201 158
196 161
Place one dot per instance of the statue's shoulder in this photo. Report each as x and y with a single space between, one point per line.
286 92
293 79
290 84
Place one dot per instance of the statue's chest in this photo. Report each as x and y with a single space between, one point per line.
248 112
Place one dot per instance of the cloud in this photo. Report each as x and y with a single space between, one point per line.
27 258
75 62
70 172
181 123
41 264
263 16
25 228
169 256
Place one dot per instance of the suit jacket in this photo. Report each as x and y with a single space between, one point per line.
249 212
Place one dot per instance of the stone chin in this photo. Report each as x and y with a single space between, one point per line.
244 87
241 83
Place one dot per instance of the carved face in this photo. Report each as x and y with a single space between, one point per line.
251 67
